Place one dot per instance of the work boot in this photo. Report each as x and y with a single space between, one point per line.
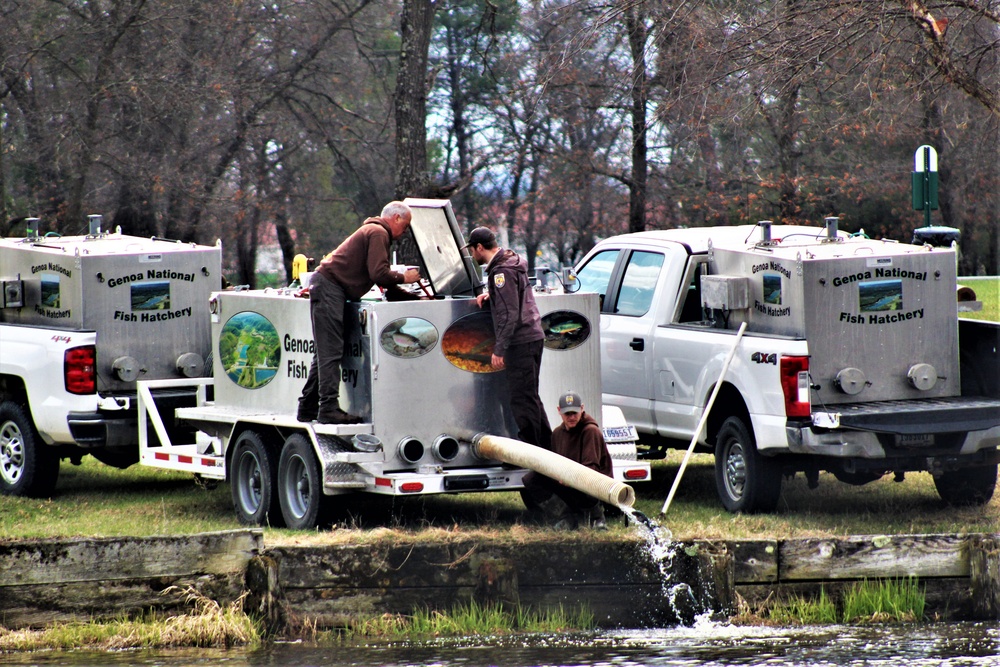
596 516
573 520
553 508
304 416
338 416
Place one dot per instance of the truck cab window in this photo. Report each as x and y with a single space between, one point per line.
638 284
689 300
595 275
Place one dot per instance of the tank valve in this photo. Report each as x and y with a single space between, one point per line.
126 369
410 449
922 376
191 365
445 448
850 381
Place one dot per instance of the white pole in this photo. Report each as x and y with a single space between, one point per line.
704 418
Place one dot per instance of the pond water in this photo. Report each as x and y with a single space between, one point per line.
704 645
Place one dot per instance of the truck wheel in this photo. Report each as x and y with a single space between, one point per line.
746 481
28 467
254 482
300 483
967 487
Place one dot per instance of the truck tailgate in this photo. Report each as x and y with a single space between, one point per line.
932 415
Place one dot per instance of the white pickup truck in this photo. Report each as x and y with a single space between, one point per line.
849 361
82 318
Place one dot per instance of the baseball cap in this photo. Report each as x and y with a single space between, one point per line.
570 402
481 235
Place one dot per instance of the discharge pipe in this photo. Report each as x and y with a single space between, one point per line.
559 468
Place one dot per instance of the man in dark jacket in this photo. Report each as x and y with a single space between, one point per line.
518 330
580 439
345 274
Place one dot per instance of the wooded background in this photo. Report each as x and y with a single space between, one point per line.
287 122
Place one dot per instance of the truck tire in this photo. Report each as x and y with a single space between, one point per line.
28 467
746 481
300 483
967 487
254 482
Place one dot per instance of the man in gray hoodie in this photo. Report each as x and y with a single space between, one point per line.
518 329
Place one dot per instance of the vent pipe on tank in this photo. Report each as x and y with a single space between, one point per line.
94 224
831 227
765 232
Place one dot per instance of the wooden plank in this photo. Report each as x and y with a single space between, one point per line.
459 564
873 556
984 562
40 605
55 561
755 561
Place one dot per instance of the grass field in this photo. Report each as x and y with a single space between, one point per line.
988 292
97 501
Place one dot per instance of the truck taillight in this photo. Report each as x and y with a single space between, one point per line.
795 386
80 370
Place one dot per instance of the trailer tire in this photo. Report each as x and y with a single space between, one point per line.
968 487
746 481
254 482
300 484
28 467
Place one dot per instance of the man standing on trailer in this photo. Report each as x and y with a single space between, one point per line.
518 329
345 274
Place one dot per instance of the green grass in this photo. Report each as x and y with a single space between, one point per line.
469 619
897 600
93 500
805 611
988 291
882 601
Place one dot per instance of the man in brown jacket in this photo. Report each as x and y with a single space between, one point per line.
345 274
580 439
518 329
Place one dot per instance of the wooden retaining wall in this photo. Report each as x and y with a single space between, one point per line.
618 579
58 580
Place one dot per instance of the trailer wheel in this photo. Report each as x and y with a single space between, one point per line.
254 482
746 481
300 483
967 487
28 467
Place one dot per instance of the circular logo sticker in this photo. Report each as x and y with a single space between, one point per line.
468 343
408 337
565 329
249 349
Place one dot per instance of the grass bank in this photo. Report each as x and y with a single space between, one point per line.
93 500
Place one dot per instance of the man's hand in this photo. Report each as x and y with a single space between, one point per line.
480 298
497 362
411 275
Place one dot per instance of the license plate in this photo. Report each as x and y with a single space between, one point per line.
915 440
620 434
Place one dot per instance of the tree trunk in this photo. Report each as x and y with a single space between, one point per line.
635 21
416 23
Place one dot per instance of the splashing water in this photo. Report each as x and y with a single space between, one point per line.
663 550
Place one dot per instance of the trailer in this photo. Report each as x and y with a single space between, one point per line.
418 372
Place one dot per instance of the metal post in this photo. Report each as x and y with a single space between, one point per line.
927 186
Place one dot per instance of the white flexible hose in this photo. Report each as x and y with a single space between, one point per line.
559 468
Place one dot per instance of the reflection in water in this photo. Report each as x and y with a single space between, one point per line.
705 644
